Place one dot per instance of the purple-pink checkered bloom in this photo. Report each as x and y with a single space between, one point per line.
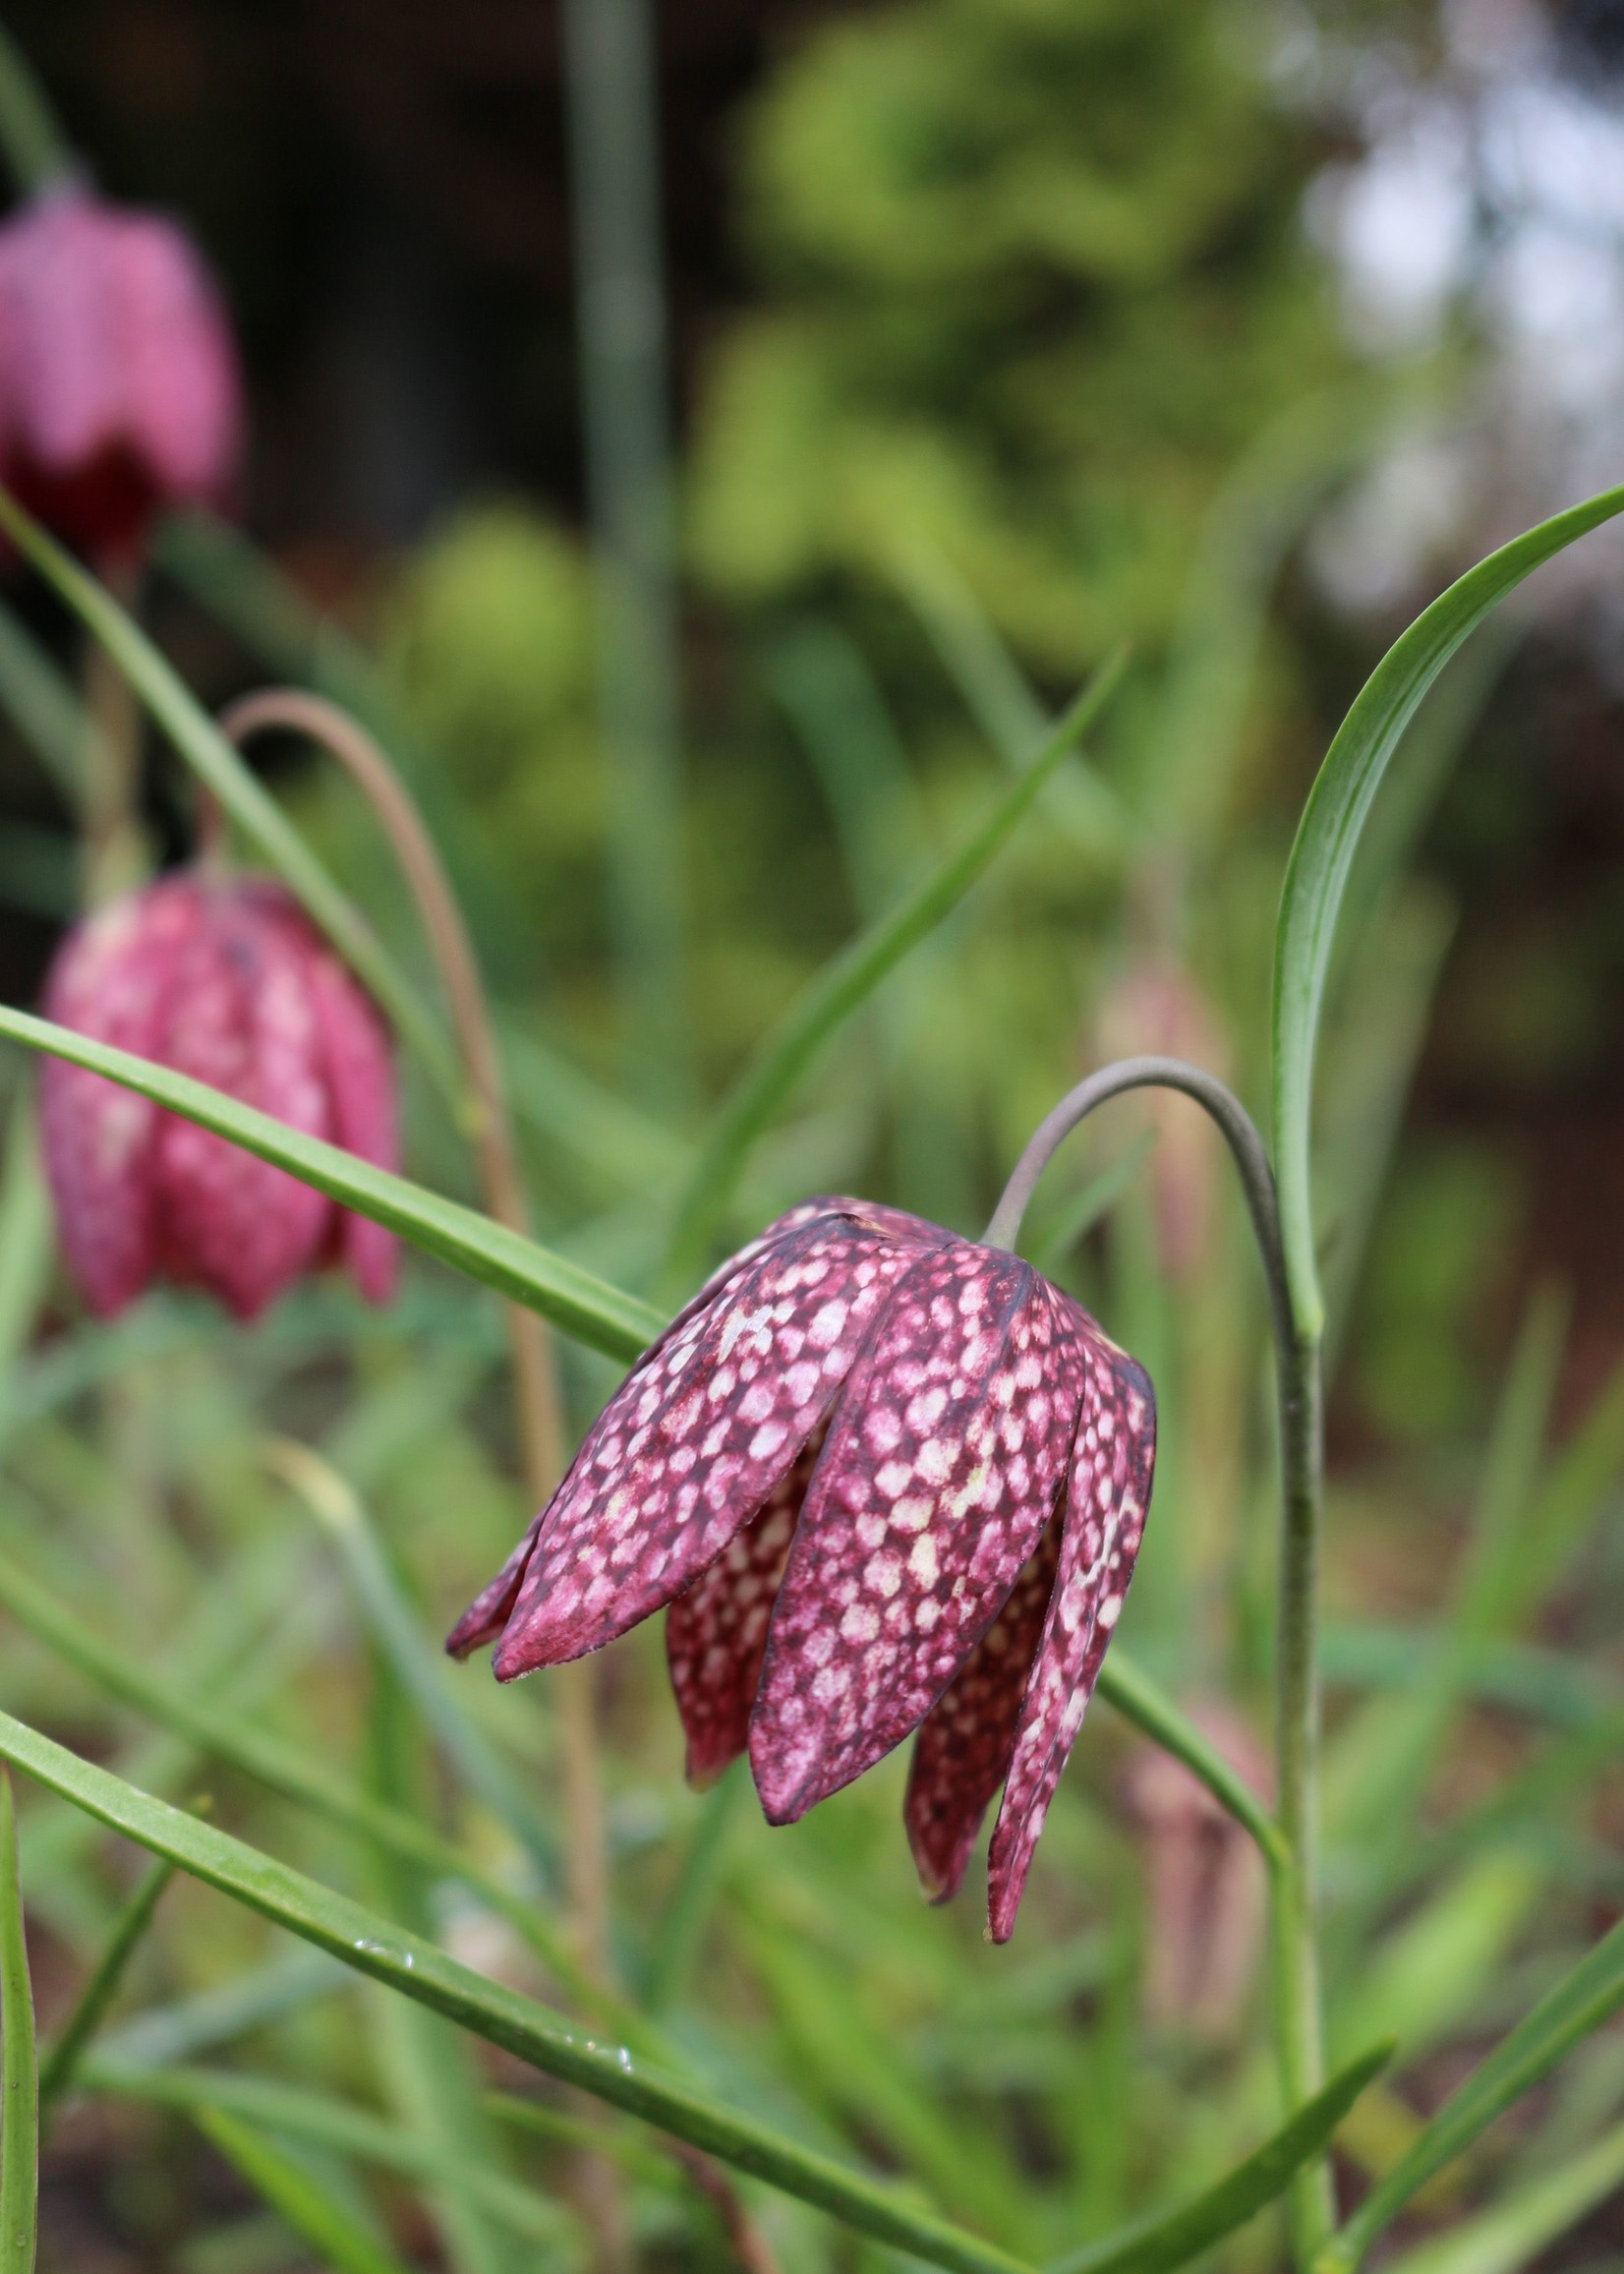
886 1480
120 391
224 978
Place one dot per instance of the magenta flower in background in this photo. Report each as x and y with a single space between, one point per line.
120 391
223 978
886 1480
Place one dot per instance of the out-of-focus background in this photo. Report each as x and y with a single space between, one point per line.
932 349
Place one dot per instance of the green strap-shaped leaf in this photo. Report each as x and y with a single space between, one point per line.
1171 2239
271 1762
1140 1701
583 1305
295 2113
1579 2003
56 2071
316 2215
853 977
217 764
18 2079
531 2031
1327 839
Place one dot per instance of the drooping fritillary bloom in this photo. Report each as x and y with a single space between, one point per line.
120 391
886 1480
223 978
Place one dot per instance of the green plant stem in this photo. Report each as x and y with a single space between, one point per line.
1294 1912
1293 1859
19 2074
56 2071
36 150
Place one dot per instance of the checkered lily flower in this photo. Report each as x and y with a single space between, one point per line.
223 978
886 1480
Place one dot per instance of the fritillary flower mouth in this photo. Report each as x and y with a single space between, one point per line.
886 1480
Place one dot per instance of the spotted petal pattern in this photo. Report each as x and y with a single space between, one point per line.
940 1473
962 1754
226 980
241 1020
885 1479
695 1439
715 1631
1107 1497
113 980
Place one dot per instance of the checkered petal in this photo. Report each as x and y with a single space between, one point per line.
1108 1494
940 1470
113 980
361 1082
715 1631
962 1754
240 1018
695 1439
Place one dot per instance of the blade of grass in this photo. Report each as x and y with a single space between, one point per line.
314 2215
1091 1202
209 1726
1513 2233
424 2064
18 2078
682 1921
1171 2239
851 976
1327 839
519 2025
1142 1702
297 2113
26 1242
158 2036
1591 1993
216 763
56 2072
390 1622
43 705
585 1307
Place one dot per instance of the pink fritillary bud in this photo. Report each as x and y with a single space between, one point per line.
886 1480
120 391
226 980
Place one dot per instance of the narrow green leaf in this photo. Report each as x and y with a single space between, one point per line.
574 1300
422 2062
1172 2238
296 2113
390 1622
56 2071
1327 840
316 2216
853 976
519 2025
44 706
208 1723
1142 1702
1511 2234
216 763
19 2078
26 1236
1086 1207
1579 2003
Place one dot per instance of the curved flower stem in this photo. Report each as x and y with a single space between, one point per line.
1294 1877
539 1413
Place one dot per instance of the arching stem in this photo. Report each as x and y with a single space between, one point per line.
535 1372
1294 1886
30 135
